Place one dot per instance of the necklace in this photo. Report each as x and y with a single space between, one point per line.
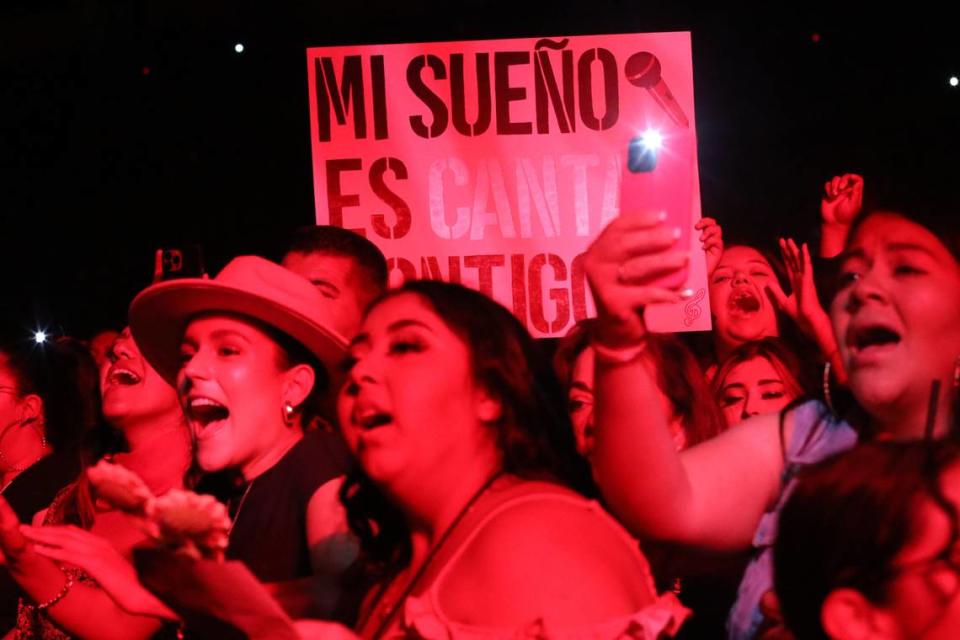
7 484
394 606
243 499
246 492
18 469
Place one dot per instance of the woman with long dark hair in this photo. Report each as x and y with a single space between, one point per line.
466 499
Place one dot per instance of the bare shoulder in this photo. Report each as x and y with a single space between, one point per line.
550 555
756 442
763 431
735 478
332 547
325 512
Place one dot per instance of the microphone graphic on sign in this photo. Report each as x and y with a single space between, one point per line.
643 70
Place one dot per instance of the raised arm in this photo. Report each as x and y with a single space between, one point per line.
711 495
803 304
841 202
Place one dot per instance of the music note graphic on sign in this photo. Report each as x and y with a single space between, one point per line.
692 310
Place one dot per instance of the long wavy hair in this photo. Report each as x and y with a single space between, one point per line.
534 435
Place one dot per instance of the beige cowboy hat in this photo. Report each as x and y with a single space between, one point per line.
249 286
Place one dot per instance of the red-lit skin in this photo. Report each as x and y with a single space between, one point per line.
411 366
100 344
900 276
337 278
753 388
741 270
432 451
145 408
21 426
841 202
127 403
711 240
926 603
580 401
580 404
922 601
713 494
234 364
803 305
8 396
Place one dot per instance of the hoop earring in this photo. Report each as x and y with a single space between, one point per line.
41 428
827 397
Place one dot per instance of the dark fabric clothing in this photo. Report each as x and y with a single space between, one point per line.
34 489
826 272
270 528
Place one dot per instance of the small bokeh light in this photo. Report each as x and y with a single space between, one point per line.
954 81
40 336
238 47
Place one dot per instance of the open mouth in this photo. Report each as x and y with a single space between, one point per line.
874 339
743 301
205 413
874 336
123 376
372 420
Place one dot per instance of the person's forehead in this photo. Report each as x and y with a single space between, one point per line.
312 265
216 325
741 255
104 339
893 232
403 311
405 305
755 367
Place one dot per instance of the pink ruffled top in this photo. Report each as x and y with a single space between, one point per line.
424 618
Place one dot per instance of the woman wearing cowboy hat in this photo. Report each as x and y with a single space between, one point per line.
253 357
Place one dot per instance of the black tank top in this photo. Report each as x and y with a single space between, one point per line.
270 531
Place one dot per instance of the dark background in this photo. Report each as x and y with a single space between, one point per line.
130 126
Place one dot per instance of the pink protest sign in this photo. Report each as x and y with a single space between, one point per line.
495 163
